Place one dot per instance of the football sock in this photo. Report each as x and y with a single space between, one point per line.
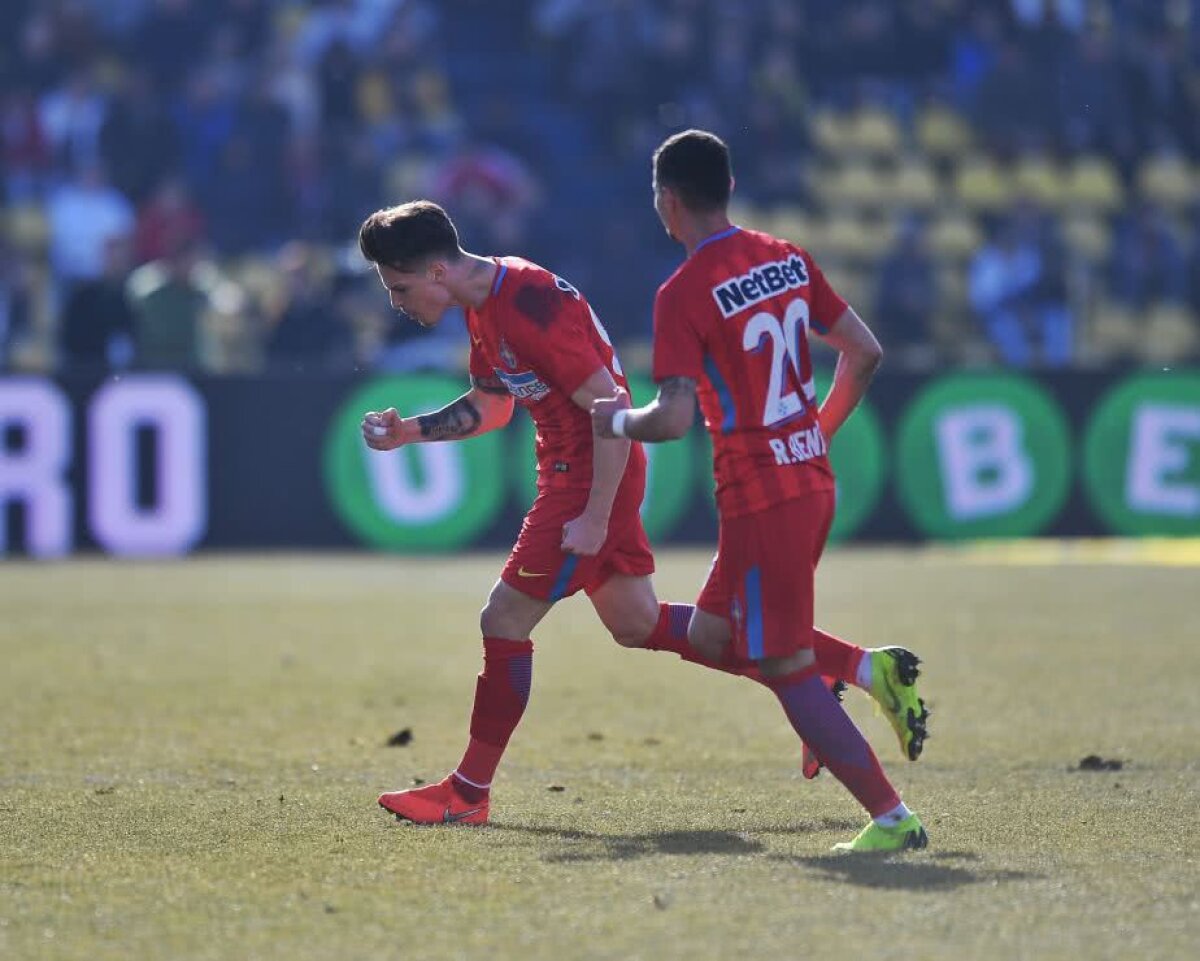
670 634
840 659
889 819
824 725
501 693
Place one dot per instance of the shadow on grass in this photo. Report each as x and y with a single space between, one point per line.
933 871
590 846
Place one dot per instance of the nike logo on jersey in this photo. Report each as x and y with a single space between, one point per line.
521 572
449 817
760 283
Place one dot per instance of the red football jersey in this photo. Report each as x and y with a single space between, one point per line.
540 336
735 317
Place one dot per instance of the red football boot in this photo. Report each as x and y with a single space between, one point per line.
435 804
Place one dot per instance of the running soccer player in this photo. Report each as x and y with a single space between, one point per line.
534 341
731 327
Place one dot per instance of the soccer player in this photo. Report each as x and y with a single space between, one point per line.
731 327
534 341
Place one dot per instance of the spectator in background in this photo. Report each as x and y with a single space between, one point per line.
83 215
1017 288
25 155
907 296
1148 263
305 333
138 141
492 192
96 327
169 216
16 301
72 116
170 300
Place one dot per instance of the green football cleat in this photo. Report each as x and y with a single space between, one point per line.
908 835
894 674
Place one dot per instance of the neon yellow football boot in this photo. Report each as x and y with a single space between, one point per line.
908 835
894 673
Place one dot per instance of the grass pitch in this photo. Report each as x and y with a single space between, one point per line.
190 754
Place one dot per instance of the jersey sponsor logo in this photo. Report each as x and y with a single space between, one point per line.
798 447
760 283
525 386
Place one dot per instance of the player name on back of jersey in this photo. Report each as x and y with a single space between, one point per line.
798 447
760 283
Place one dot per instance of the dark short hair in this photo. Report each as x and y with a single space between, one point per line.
695 164
404 236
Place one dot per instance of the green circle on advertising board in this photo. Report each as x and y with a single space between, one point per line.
421 497
858 457
983 455
1141 455
669 470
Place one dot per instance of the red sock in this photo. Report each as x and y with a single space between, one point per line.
670 634
826 727
836 658
501 693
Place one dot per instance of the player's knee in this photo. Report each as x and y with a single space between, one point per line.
636 627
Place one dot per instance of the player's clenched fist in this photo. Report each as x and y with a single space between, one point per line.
584 535
382 429
603 411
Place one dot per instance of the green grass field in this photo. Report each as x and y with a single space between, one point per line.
190 754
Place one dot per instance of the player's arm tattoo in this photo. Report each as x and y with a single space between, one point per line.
489 385
677 387
460 419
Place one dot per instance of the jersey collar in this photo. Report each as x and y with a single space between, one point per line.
719 235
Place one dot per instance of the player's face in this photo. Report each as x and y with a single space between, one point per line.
421 294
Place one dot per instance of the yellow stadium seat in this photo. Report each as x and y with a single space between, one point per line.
954 237
1092 184
854 239
912 185
1169 182
874 132
941 133
1171 335
790 223
1089 237
1112 331
26 228
982 186
831 132
855 186
1038 178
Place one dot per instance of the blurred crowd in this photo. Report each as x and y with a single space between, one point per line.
988 181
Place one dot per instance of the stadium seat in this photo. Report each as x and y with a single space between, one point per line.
831 132
1169 182
1092 184
941 133
982 186
26 228
855 186
1088 236
855 239
1110 332
913 186
954 237
874 132
1171 335
1042 180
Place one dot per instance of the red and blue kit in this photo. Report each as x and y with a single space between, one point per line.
735 318
541 338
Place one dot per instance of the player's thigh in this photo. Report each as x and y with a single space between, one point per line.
628 607
511 614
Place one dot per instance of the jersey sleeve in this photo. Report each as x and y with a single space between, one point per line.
825 304
678 346
551 331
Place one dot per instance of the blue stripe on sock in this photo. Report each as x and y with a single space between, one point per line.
564 577
678 618
520 675
754 623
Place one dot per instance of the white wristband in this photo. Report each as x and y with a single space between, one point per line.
618 423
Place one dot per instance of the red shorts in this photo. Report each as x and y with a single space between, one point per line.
761 580
540 568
